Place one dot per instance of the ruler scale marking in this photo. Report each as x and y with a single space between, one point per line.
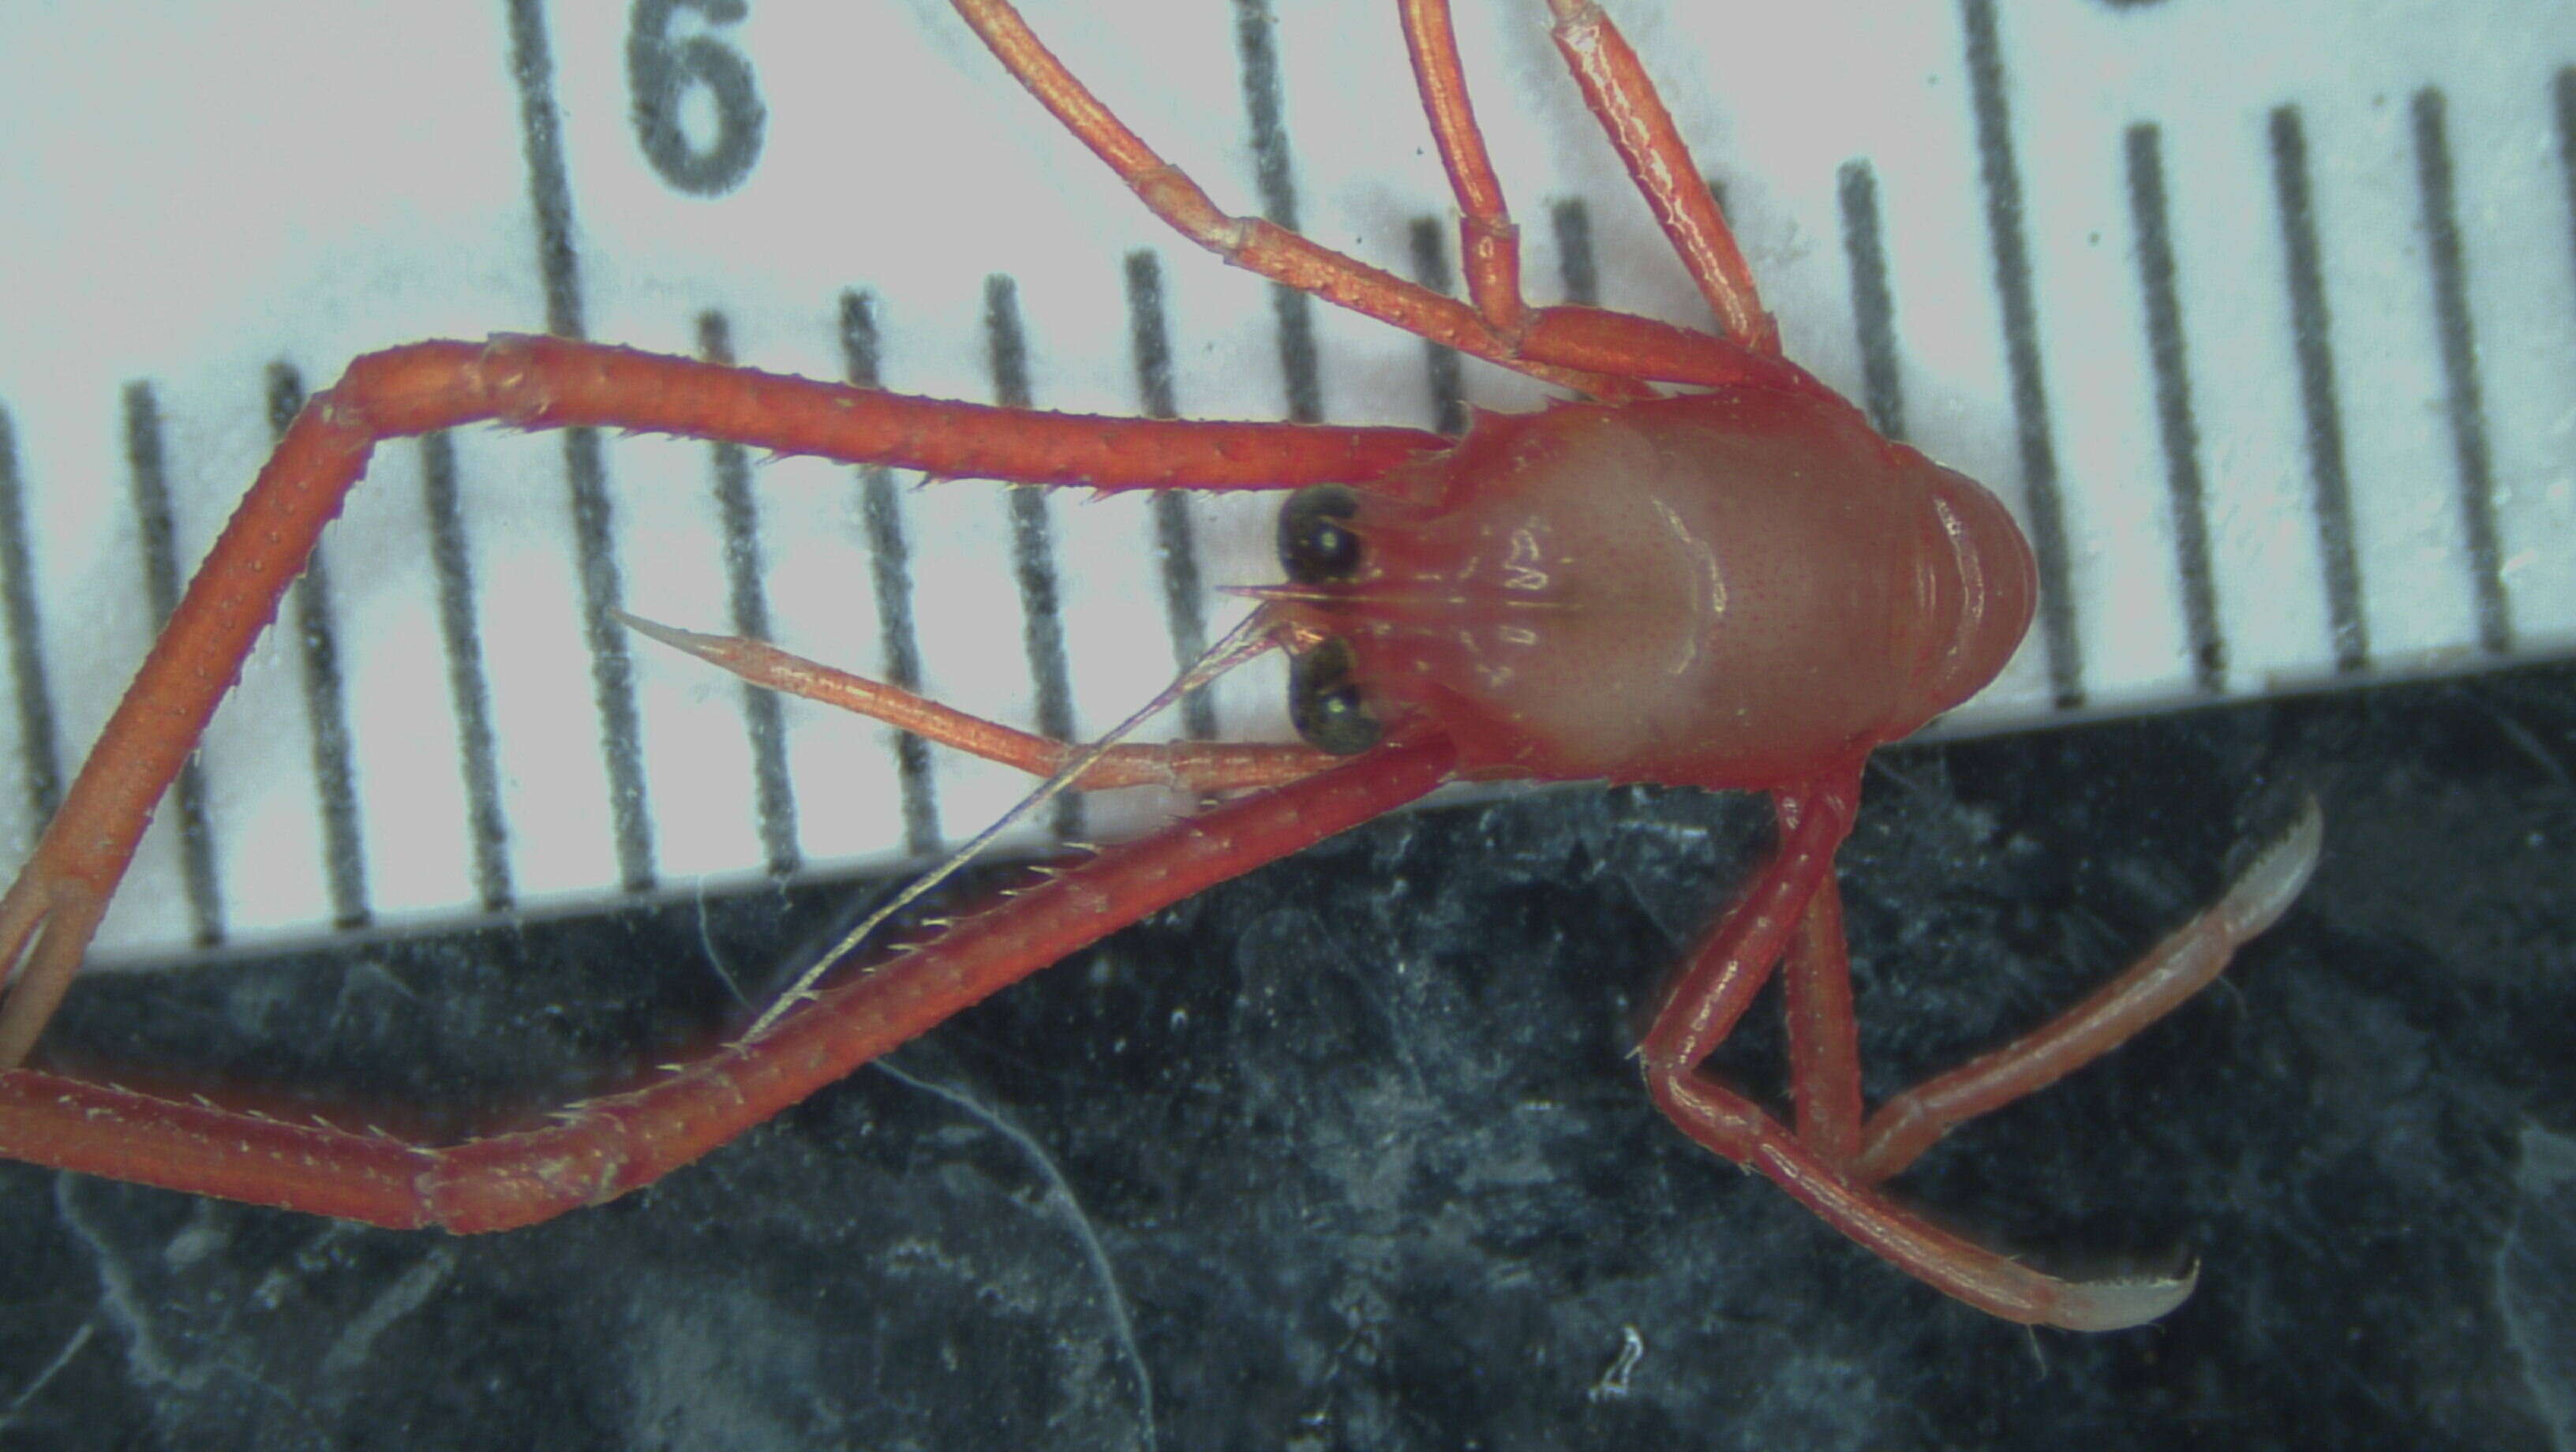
2046 525
2311 325
468 688
881 515
764 714
2178 431
2465 407
39 750
1175 537
1873 302
148 477
585 463
326 707
1033 552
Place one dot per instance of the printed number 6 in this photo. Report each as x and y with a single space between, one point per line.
660 69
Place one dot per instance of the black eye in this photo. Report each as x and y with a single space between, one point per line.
1314 547
1325 704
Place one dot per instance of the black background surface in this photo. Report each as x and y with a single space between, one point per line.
1348 1153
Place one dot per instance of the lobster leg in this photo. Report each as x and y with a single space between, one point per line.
595 1150
1824 1040
1489 245
50 913
2188 960
1718 983
1585 349
1614 85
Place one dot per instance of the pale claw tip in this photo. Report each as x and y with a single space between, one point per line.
2116 1305
670 635
2266 889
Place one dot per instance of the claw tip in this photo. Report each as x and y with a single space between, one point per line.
2116 1305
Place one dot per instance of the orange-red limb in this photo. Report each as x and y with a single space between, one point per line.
1615 86
1251 243
1733 1126
2187 960
601 1148
1598 338
1824 1042
1791 914
1776 916
1619 346
1489 245
1729 965
1603 362
541 382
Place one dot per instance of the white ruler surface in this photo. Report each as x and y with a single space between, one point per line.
2262 319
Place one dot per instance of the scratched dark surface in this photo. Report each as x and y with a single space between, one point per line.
1347 1154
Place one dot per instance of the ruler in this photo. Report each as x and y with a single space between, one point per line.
2264 324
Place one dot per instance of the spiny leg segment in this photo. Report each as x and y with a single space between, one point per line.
1833 1162
51 912
1603 354
585 1153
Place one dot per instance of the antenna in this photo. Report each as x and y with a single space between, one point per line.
1257 633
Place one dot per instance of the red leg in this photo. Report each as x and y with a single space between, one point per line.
1585 349
49 914
1489 245
1716 985
1197 766
1824 1040
601 1148
1590 338
1615 87
1995 1284
2188 960
1721 975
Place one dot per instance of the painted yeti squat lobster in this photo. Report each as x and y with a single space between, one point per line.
1731 583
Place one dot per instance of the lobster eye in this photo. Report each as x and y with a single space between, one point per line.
1325 704
1315 547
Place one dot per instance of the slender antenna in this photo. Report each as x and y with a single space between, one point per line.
1257 633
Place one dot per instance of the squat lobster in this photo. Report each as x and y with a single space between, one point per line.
1734 585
